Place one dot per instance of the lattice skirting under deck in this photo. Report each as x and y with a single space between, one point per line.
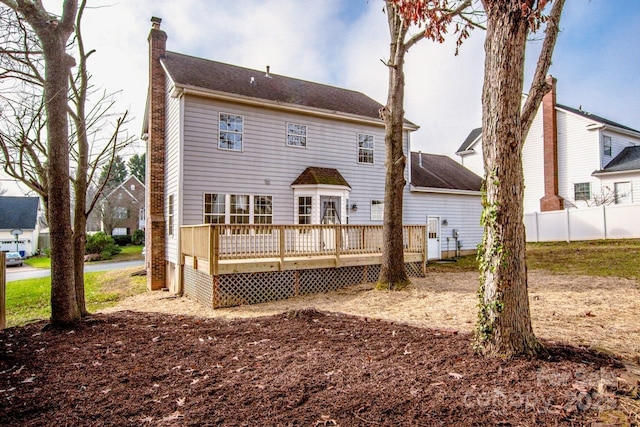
230 290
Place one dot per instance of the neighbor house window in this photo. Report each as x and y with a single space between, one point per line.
121 213
377 210
582 191
365 148
296 135
622 192
120 231
262 210
304 210
231 128
606 145
214 208
170 215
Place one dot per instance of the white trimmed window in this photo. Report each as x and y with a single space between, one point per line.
214 208
607 147
365 148
231 127
262 210
582 191
377 210
304 209
622 192
296 135
239 209
170 207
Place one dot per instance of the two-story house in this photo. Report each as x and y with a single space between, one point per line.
19 224
571 158
231 145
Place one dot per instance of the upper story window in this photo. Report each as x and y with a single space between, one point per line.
365 148
231 128
377 210
121 213
214 208
582 191
170 215
296 135
606 145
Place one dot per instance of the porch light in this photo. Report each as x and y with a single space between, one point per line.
354 207
445 222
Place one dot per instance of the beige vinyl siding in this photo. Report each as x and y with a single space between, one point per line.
265 156
172 171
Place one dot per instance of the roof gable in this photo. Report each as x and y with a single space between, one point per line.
438 171
189 71
595 118
471 138
320 176
18 212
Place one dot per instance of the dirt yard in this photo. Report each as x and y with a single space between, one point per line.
393 359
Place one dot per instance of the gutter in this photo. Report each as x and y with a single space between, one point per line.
415 189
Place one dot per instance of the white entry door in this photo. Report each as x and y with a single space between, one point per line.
433 237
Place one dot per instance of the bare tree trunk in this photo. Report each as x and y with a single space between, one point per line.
504 325
392 273
54 35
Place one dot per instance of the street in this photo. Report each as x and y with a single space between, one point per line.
26 272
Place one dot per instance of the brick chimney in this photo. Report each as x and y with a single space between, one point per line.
551 200
155 224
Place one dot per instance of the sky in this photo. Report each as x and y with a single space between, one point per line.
343 42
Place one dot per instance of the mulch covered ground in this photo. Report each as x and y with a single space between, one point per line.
303 368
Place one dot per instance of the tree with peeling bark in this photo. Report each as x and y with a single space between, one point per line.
504 322
53 34
433 18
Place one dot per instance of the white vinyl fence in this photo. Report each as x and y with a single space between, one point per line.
602 222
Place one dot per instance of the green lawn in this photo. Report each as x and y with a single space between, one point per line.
129 252
616 258
29 300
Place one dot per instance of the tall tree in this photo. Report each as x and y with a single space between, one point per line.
53 34
137 166
504 324
435 16
22 135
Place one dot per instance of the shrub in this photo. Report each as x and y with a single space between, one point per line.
122 240
100 243
138 237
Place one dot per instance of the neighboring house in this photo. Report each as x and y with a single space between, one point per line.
571 158
121 211
21 216
231 145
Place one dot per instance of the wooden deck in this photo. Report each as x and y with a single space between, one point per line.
231 249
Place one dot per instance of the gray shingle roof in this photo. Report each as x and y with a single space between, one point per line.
217 76
627 160
313 176
439 171
18 212
469 140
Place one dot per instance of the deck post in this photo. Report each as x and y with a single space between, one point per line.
214 249
281 231
425 246
338 240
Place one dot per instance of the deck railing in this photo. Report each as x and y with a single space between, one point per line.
213 244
